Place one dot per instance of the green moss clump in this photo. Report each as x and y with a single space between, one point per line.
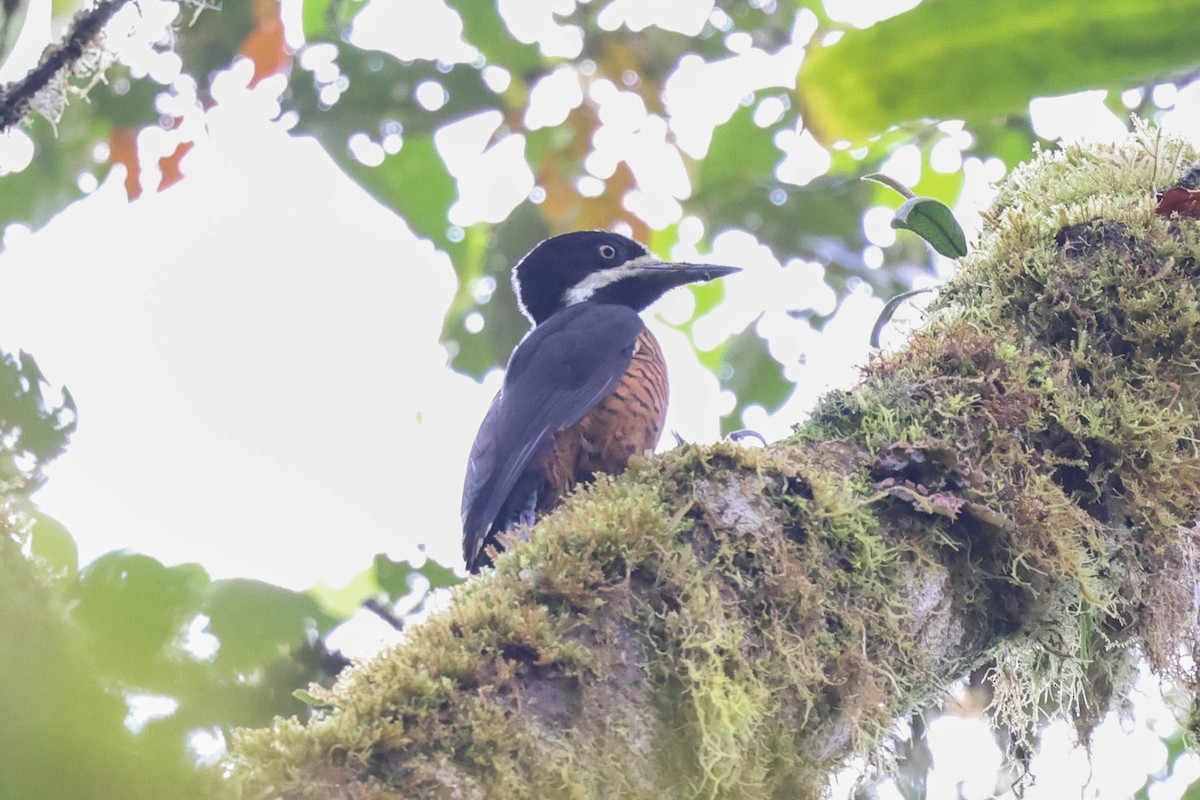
1016 488
1060 361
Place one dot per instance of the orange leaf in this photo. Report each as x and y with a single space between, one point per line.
265 46
122 149
169 166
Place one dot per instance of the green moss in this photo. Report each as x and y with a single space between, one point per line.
1008 489
1063 356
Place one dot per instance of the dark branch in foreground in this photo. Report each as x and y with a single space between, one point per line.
16 97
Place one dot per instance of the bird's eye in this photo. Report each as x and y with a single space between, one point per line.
607 251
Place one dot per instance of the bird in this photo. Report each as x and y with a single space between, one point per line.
584 390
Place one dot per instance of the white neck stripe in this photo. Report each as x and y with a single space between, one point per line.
587 288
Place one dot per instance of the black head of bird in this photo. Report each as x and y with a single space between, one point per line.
586 388
601 267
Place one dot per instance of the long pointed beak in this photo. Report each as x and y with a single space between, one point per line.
677 274
701 272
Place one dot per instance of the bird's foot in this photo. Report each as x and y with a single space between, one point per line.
527 516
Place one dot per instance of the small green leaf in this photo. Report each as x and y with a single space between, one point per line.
933 221
439 575
395 577
309 699
344 601
392 576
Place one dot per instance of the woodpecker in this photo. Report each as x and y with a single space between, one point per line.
584 390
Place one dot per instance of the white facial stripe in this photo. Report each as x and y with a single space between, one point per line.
586 288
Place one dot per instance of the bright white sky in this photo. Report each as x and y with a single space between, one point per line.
255 352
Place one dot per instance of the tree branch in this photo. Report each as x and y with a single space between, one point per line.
1018 487
17 97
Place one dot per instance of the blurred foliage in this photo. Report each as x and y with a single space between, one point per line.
988 57
79 647
936 61
82 650
32 433
1181 748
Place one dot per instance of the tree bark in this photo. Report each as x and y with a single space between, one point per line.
1018 488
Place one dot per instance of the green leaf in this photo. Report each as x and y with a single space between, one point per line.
53 543
124 100
490 251
933 221
63 733
309 699
486 30
328 19
439 575
417 184
211 40
947 59
740 152
135 608
32 428
343 602
395 577
753 375
51 181
378 90
259 623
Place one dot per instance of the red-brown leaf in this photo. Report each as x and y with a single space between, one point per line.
1185 202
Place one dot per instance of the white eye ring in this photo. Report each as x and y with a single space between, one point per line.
607 251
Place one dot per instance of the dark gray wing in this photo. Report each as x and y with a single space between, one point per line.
482 461
558 373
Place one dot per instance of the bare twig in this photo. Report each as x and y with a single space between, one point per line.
384 613
16 97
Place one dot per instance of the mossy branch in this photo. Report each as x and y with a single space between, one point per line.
18 97
1017 489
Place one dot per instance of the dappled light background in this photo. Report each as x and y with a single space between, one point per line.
260 355
283 406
